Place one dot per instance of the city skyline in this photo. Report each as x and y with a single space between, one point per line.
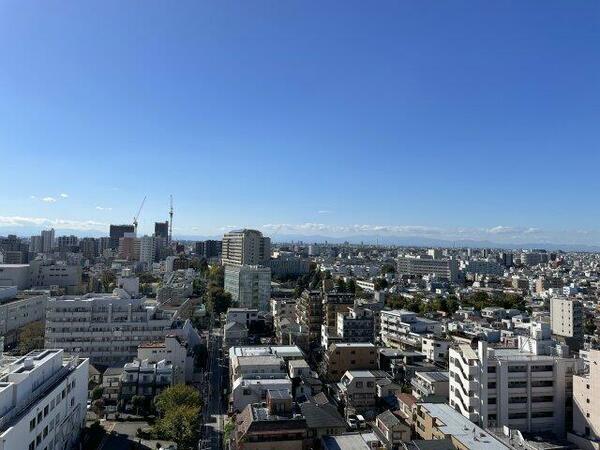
460 122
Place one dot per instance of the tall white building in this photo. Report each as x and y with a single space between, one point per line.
106 328
35 244
42 401
246 247
47 240
526 388
249 286
147 249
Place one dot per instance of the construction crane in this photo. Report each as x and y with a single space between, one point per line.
171 221
135 218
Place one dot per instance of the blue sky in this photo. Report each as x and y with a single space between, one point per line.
450 119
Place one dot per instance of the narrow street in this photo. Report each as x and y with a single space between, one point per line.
214 411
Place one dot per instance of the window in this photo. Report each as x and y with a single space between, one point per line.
32 424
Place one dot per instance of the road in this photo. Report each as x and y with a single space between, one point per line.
214 409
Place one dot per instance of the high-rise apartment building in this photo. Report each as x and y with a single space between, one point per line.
129 247
249 286
147 249
117 232
208 249
566 321
47 240
247 247
35 244
161 229
88 247
67 243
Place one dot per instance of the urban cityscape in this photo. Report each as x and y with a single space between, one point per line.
416 260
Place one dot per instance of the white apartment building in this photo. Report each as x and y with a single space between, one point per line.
525 388
106 328
173 351
405 329
419 266
586 404
249 286
246 247
15 275
47 273
42 401
48 243
144 378
17 312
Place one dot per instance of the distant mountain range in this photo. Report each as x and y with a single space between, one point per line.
416 241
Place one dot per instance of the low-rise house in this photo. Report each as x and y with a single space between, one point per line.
322 419
436 421
254 389
145 379
391 430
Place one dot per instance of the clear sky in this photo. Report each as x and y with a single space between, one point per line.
454 118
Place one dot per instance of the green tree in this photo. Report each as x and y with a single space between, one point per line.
340 285
388 268
180 424
217 300
380 283
31 337
98 407
97 393
107 279
138 401
178 395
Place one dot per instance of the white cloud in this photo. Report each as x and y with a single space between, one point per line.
49 200
501 230
324 211
32 197
43 222
63 195
103 208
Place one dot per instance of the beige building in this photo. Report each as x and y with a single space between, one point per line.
566 320
341 357
586 404
436 421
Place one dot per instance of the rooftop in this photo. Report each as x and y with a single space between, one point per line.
452 423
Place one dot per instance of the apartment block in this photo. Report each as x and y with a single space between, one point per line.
246 247
42 401
106 328
249 286
527 388
566 321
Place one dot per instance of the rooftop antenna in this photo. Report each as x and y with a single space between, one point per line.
171 221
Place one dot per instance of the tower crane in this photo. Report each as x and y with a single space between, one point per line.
135 218
171 221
